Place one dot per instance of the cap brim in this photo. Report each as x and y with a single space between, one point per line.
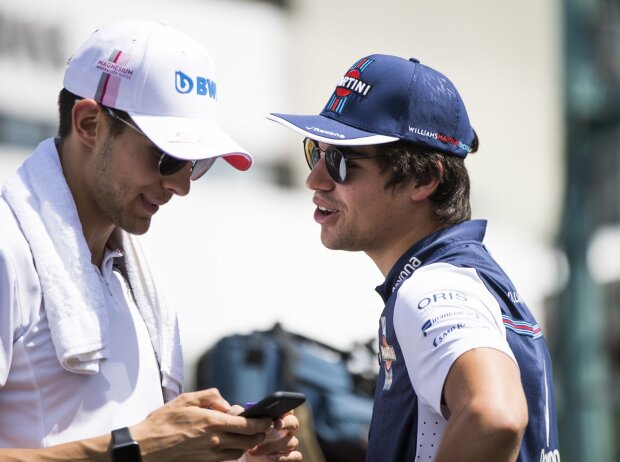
326 130
192 139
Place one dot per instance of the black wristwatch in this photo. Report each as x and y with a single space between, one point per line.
124 447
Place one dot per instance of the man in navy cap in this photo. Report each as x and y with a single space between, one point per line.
465 372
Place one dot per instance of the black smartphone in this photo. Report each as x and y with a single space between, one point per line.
275 405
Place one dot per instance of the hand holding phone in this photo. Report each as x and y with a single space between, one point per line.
275 405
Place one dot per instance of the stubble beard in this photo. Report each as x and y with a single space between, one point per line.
111 188
341 239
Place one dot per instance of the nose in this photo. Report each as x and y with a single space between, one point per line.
178 183
319 178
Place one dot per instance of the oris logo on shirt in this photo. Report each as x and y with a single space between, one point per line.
441 297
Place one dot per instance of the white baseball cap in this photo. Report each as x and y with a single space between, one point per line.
163 79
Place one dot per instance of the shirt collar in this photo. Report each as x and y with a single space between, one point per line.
428 247
108 261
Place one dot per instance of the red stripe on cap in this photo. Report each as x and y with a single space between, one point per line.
105 87
115 58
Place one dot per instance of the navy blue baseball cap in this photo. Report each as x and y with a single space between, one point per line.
384 98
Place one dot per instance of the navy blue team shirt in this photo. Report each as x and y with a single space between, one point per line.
444 296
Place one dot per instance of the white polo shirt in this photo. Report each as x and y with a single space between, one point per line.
42 404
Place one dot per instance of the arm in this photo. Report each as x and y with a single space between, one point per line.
487 407
93 449
194 426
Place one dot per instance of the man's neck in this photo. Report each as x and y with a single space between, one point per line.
386 257
96 232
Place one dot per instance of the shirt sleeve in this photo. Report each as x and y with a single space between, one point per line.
441 312
7 311
20 292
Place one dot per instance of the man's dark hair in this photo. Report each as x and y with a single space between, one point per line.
409 162
66 100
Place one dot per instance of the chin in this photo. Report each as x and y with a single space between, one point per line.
327 243
137 227
138 232
332 244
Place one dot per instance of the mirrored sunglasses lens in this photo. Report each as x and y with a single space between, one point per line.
336 164
202 166
312 152
169 165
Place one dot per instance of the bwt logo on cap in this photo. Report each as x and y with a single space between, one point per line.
185 84
351 83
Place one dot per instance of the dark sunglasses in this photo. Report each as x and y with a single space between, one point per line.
335 159
167 164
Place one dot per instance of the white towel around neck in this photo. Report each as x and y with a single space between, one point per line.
72 290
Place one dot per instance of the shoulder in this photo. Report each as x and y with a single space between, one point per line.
12 240
443 282
447 293
20 292
16 261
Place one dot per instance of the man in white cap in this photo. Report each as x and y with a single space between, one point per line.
90 356
465 371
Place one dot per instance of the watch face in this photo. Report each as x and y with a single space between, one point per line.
127 452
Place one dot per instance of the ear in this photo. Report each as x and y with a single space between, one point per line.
85 116
423 191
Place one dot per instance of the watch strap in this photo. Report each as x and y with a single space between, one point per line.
124 447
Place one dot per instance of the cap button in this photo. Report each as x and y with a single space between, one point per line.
415 60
